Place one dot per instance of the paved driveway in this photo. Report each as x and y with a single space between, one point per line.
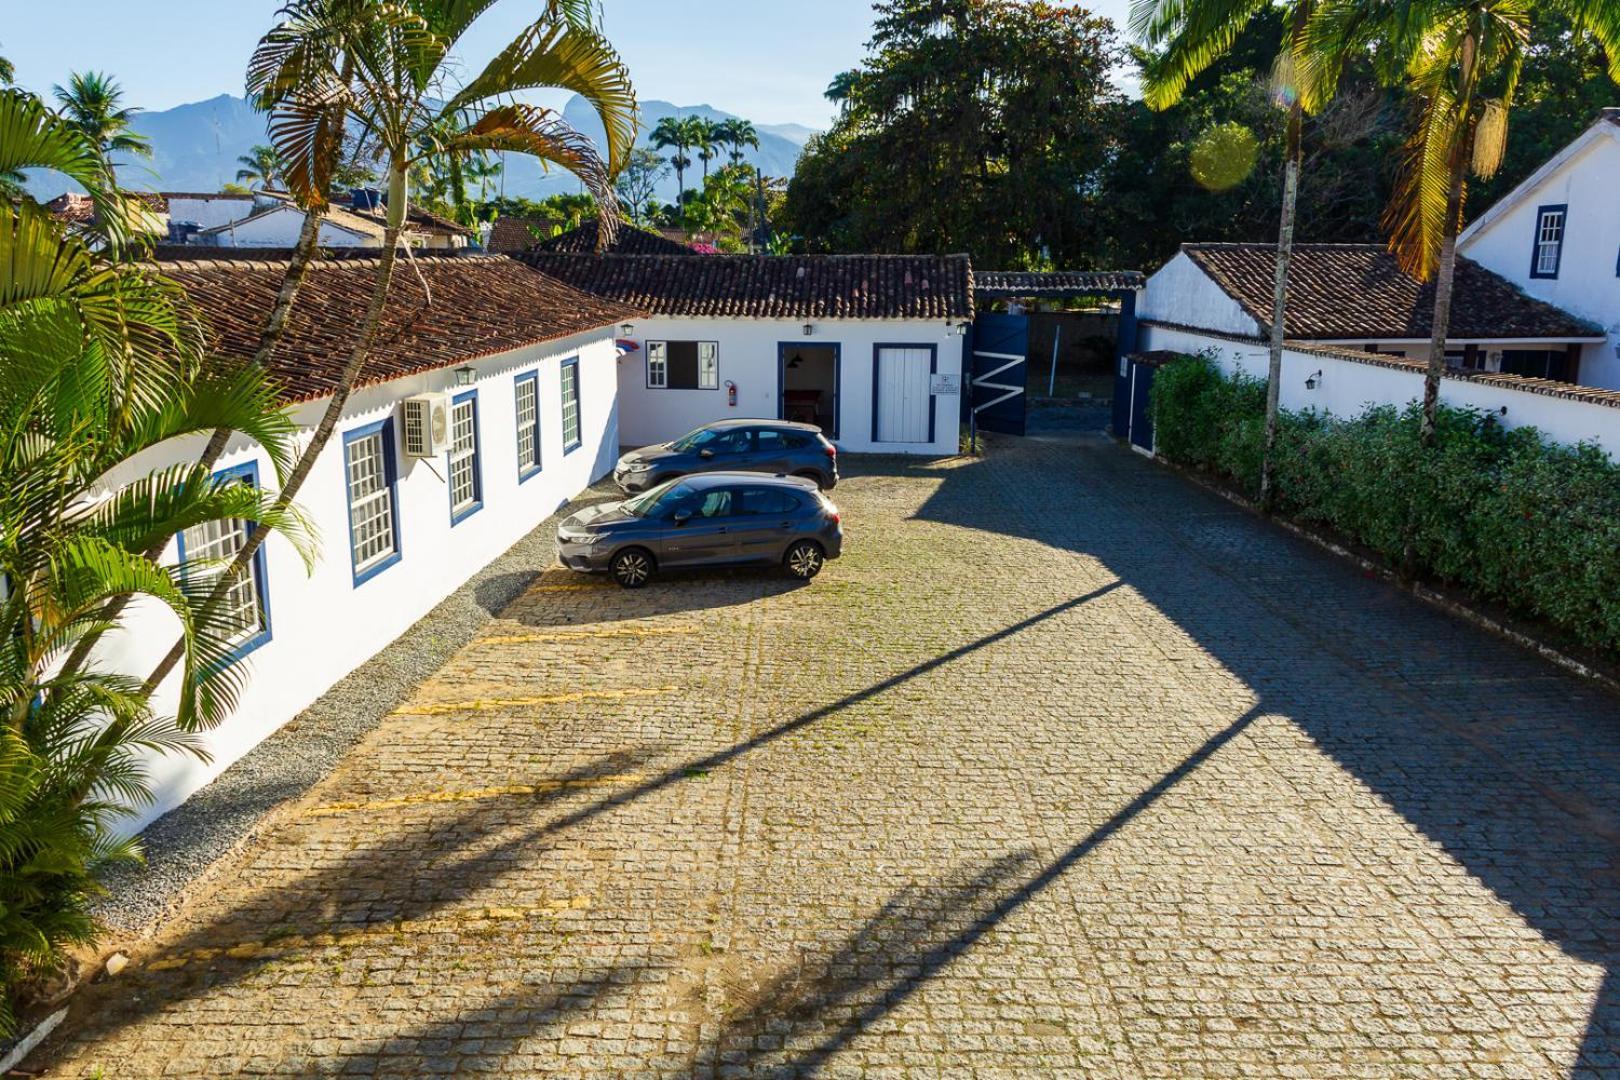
1067 769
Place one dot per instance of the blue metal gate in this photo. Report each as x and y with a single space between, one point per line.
1000 354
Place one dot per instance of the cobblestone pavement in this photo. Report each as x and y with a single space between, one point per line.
1067 769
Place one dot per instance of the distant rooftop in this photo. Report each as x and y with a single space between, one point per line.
994 284
1359 292
631 240
774 286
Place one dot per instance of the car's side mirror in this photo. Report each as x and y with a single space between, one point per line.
681 517
705 453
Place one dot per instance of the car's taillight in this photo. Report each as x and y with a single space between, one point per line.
830 450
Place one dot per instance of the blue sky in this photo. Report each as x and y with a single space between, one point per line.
768 60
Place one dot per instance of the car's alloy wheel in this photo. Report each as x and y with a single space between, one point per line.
805 559
632 568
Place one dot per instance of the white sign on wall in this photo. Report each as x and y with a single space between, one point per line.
945 384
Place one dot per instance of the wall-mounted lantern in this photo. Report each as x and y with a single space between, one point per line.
627 329
1314 381
809 329
466 375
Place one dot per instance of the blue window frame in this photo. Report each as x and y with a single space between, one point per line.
465 465
526 400
571 428
371 482
1551 224
213 545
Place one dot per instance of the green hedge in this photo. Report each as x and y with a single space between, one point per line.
1505 514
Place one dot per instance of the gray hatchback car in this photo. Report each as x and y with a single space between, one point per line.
712 519
768 446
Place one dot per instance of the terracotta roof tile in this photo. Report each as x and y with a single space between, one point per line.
511 235
1055 283
630 241
775 286
481 305
1353 291
77 209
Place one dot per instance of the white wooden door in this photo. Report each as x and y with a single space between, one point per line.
903 403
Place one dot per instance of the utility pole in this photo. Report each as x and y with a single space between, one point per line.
762 230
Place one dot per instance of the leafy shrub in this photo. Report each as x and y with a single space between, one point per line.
1505 514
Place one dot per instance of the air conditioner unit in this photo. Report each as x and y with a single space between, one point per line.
427 425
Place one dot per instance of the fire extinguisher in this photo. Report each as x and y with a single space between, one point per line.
731 393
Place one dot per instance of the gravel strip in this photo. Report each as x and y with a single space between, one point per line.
184 843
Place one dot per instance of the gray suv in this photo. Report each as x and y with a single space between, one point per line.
768 446
712 519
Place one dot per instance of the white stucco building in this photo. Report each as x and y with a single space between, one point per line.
272 220
867 346
529 365
1557 236
1358 336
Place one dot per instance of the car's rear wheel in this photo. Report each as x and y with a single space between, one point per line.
811 474
632 567
805 559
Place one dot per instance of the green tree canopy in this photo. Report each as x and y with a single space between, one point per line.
973 125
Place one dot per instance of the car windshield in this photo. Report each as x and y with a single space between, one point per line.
649 502
695 440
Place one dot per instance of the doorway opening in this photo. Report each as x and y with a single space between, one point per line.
809 381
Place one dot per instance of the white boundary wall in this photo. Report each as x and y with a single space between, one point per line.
323 625
748 350
1347 387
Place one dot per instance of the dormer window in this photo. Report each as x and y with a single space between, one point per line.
1549 250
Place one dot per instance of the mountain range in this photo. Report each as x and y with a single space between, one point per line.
195 147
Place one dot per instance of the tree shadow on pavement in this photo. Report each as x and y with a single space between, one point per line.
817 1010
425 867
1508 764
428 870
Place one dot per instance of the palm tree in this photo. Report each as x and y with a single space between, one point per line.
738 134
671 131
98 365
1194 34
8 72
701 136
1462 59
92 102
261 167
723 203
34 137
841 91
390 62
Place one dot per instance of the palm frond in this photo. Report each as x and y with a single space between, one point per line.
545 135
1203 35
1490 138
1415 219
550 54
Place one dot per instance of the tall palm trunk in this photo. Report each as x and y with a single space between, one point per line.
398 192
1444 281
1446 272
275 326
1279 304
